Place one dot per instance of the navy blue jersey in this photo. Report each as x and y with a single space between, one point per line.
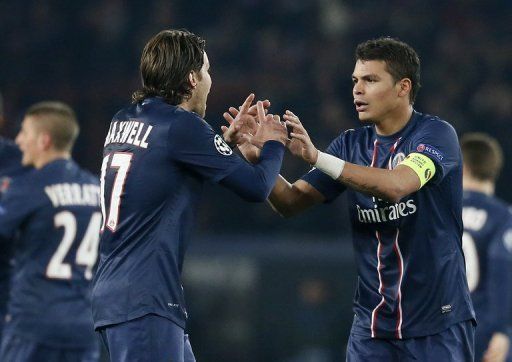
411 277
10 163
10 166
55 213
487 244
156 160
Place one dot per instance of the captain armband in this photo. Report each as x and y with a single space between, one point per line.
422 165
330 165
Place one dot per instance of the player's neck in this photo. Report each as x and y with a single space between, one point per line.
470 184
186 106
394 121
189 104
50 156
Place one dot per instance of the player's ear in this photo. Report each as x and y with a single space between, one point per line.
192 79
405 86
45 140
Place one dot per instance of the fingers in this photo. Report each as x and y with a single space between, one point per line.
247 103
228 117
289 116
233 111
260 111
302 138
253 109
297 128
281 123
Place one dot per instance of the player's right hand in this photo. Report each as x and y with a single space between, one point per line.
242 120
239 125
300 143
270 128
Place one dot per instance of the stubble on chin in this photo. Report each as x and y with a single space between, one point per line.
363 118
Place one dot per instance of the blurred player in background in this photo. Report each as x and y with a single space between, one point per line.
487 244
10 166
53 210
10 156
158 154
403 173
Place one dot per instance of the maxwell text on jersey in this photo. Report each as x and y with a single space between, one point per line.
129 132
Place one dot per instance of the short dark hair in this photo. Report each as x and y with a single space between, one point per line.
402 61
167 60
59 120
482 155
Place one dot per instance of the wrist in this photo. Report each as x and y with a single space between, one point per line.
315 157
229 141
329 164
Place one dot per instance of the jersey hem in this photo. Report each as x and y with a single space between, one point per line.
108 322
409 333
46 342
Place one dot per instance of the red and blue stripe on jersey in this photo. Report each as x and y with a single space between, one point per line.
409 257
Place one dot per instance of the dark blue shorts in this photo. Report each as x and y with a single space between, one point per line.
453 344
482 337
19 349
148 338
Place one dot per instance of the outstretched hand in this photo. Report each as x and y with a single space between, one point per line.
270 128
300 143
242 121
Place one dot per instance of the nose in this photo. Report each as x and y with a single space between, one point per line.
17 140
358 88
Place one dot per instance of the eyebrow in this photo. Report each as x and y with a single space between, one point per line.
366 76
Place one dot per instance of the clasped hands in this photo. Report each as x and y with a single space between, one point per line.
250 126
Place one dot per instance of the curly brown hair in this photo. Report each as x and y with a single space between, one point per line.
167 60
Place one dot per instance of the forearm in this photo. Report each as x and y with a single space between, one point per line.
281 196
381 183
249 152
291 199
254 182
389 185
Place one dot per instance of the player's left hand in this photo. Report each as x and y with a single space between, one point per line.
242 121
497 349
300 143
270 128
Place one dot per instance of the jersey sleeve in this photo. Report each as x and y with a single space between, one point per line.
193 143
328 187
10 163
438 141
500 278
14 208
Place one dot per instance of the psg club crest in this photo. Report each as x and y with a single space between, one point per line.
399 157
5 182
222 146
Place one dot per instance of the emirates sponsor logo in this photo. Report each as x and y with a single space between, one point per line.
386 213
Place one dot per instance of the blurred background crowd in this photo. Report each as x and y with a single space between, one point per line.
298 54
